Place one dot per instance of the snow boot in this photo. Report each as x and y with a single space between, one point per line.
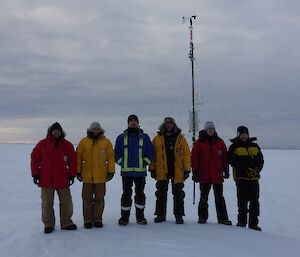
123 221
202 221
241 224
70 227
98 224
48 230
88 225
225 222
159 219
140 218
257 228
179 220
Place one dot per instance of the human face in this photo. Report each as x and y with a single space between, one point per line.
95 131
56 133
244 137
133 124
210 131
169 127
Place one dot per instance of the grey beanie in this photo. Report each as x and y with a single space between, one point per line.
208 125
96 125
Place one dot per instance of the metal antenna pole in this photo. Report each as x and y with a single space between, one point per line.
191 56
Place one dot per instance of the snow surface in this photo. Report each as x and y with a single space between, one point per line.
21 229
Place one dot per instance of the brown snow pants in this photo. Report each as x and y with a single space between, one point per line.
93 202
65 206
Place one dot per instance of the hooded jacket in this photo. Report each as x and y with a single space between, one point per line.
246 159
133 152
182 156
209 158
95 159
53 161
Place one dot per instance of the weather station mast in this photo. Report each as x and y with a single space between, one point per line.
193 115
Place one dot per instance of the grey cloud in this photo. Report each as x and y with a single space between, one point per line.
77 62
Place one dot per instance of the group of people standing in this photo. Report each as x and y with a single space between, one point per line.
55 165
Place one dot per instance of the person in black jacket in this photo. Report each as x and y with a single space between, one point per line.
247 161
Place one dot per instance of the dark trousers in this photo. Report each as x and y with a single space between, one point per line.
248 192
162 196
219 201
139 198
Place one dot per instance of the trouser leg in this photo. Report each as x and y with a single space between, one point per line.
87 200
254 203
126 201
242 201
178 199
220 202
65 206
47 196
161 198
140 198
203 204
99 203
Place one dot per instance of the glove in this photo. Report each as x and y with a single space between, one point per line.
153 173
79 177
71 180
196 177
109 176
36 179
226 174
186 174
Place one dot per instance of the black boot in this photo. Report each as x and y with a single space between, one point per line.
253 222
241 224
48 230
225 222
88 225
70 227
140 218
255 227
179 220
123 221
202 221
159 219
98 224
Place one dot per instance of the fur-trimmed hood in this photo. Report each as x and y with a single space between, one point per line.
161 129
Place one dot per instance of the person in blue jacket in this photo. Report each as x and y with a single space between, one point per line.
133 152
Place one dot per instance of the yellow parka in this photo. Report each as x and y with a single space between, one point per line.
95 159
182 156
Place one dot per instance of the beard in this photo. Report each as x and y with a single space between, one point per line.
133 130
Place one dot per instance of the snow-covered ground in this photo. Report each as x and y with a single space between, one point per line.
21 229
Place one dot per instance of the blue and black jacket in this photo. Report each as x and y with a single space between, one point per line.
133 152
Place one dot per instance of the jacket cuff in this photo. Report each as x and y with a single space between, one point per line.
119 161
147 160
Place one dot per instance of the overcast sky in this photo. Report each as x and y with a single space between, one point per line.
77 61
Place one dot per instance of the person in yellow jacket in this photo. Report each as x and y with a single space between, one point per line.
95 166
172 161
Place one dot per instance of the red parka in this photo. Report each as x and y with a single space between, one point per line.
209 158
53 162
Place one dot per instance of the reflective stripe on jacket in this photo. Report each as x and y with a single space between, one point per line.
133 153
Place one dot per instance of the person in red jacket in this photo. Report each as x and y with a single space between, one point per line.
210 166
53 168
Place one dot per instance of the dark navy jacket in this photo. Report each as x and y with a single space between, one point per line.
133 152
